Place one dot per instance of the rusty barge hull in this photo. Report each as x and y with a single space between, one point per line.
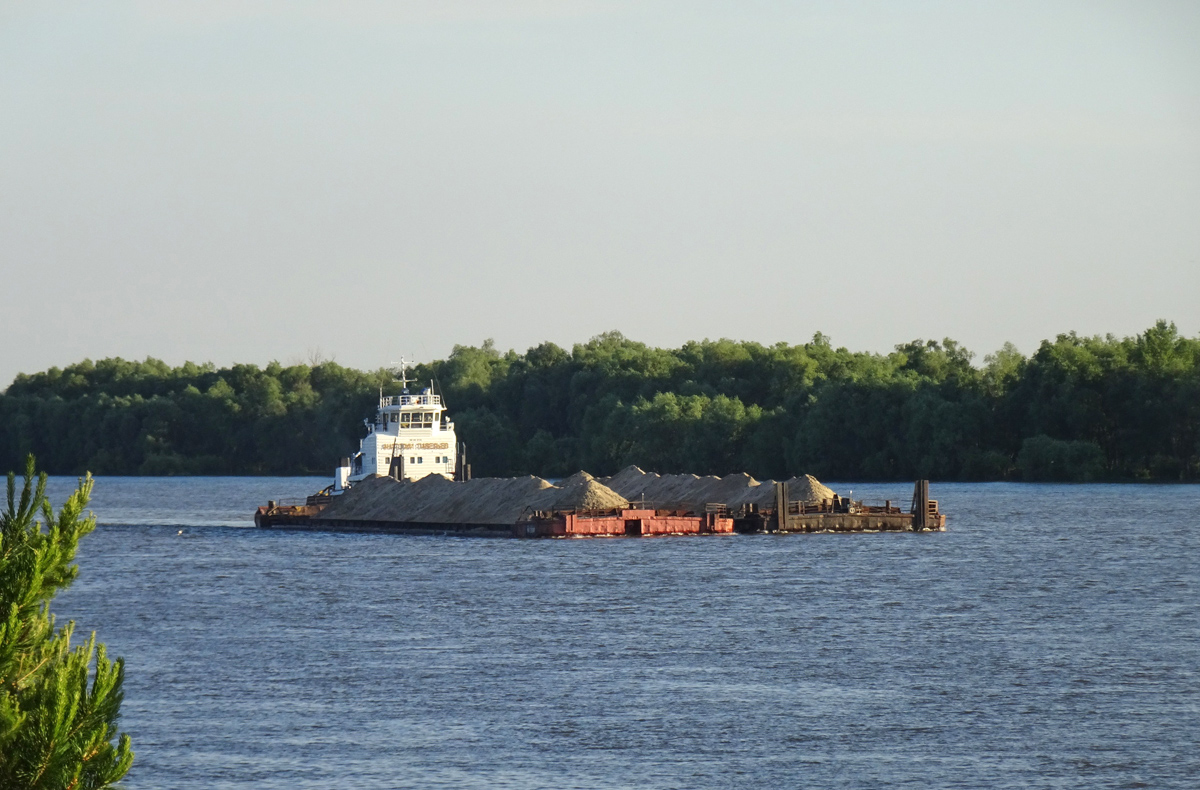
631 524
840 514
622 523
287 521
841 522
601 524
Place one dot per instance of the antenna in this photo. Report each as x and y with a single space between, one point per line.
439 387
403 373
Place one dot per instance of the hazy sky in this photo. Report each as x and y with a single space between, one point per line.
248 181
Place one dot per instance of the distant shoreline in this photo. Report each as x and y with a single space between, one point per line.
1079 409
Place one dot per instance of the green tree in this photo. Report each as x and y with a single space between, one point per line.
58 705
1053 460
712 405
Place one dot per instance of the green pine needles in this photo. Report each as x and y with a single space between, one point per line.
58 705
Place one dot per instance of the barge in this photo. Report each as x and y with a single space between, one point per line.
410 476
631 504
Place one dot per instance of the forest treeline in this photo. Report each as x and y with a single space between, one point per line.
1078 409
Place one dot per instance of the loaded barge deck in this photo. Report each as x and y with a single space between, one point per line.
629 504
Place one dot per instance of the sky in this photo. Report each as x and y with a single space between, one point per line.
360 181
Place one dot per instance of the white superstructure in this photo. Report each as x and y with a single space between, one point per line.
412 437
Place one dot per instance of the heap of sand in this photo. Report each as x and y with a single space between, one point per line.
692 492
580 491
486 500
504 500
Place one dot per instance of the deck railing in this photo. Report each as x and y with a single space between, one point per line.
411 400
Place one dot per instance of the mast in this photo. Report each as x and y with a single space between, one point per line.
403 374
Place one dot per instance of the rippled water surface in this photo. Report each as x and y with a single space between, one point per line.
1050 638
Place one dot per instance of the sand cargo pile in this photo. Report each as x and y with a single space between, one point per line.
690 492
629 503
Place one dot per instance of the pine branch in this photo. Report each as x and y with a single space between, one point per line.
56 729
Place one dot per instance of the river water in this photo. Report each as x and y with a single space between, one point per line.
1050 638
